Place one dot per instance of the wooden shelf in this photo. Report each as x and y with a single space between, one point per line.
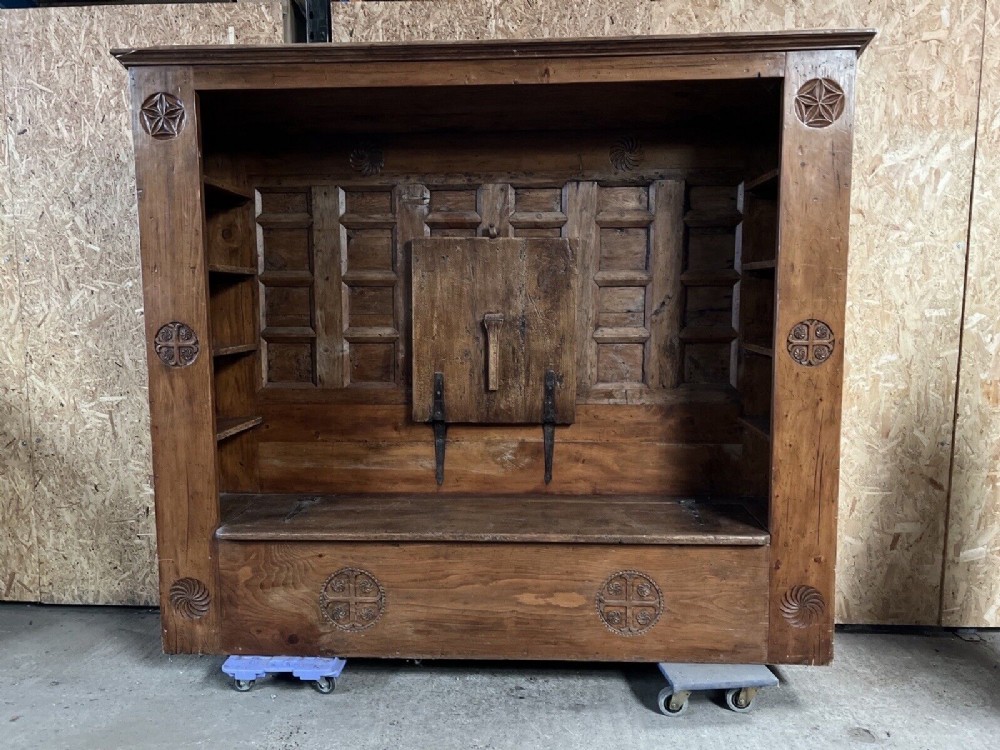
765 351
759 265
222 196
766 184
232 270
640 519
226 427
758 425
226 351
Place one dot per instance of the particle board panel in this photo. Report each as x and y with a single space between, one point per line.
18 551
494 600
72 202
971 585
913 162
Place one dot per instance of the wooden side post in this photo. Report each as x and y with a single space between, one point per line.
182 414
808 352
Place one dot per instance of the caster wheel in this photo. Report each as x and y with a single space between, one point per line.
324 685
740 700
243 686
671 705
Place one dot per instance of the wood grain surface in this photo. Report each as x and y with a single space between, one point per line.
523 601
181 399
812 281
456 284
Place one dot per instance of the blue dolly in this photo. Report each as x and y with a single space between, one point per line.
740 681
322 672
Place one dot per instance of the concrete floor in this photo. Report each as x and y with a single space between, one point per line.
88 677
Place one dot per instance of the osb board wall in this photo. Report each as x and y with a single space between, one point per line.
18 578
912 175
75 479
971 593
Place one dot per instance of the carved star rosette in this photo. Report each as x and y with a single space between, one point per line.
352 599
811 342
176 344
629 603
819 102
162 115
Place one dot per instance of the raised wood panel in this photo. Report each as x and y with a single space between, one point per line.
812 270
456 283
496 601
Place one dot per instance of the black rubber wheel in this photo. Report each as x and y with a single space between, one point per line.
732 696
663 701
243 686
324 685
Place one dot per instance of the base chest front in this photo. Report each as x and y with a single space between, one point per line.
495 600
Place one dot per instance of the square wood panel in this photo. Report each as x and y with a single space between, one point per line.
532 284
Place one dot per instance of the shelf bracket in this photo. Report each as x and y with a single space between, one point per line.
549 421
440 427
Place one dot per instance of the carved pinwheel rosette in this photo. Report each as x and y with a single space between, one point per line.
802 606
190 598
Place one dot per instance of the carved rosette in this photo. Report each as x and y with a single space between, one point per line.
629 603
819 102
367 159
176 344
162 115
802 606
811 342
190 598
352 599
626 153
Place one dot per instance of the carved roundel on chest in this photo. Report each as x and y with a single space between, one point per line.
176 344
190 598
162 115
352 599
811 342
629 603
819 102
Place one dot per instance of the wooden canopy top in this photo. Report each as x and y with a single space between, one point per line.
687 44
